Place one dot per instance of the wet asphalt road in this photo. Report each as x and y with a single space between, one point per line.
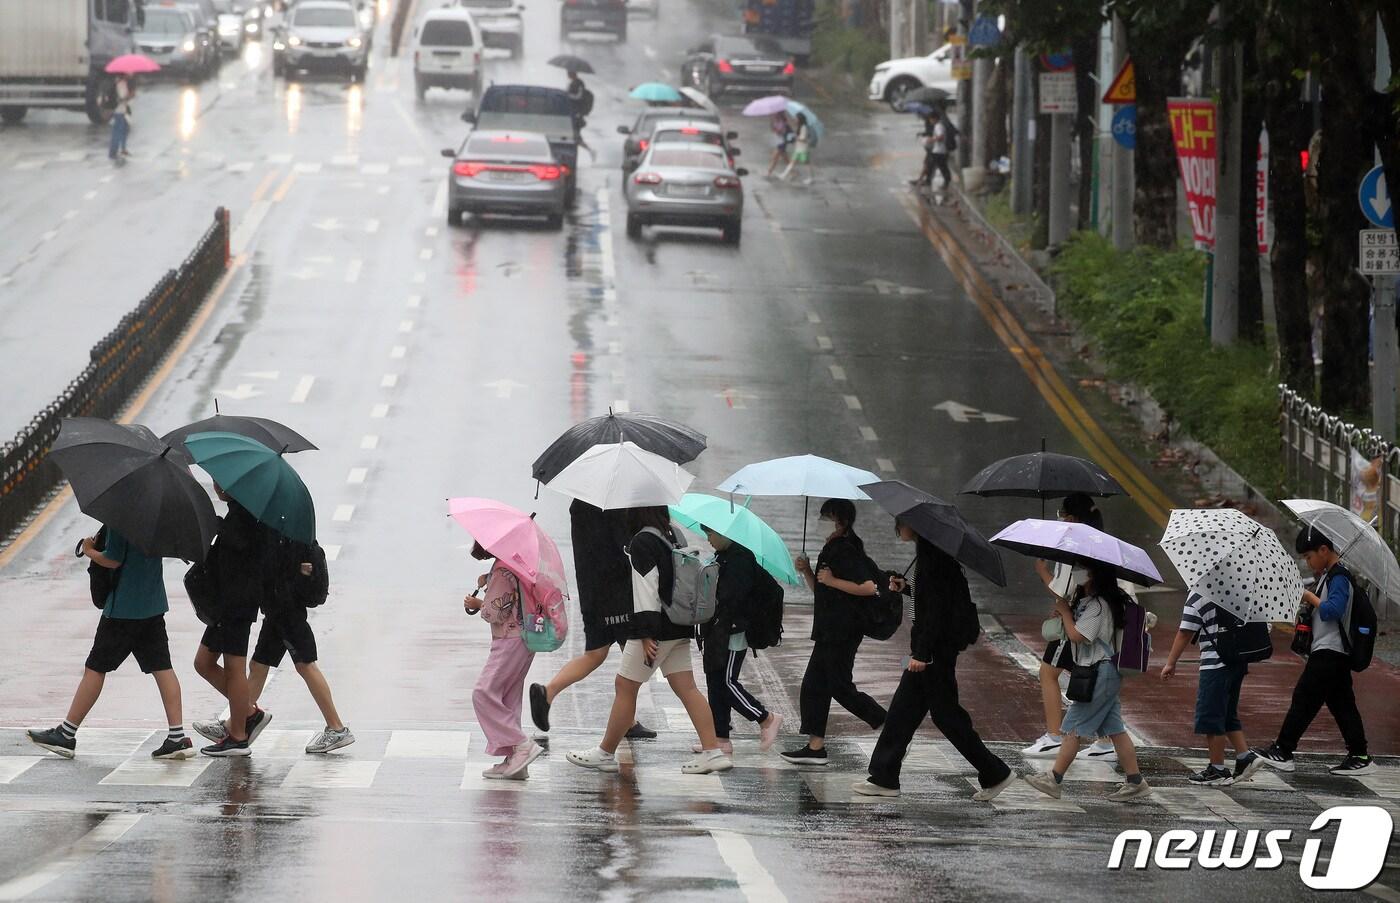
428 362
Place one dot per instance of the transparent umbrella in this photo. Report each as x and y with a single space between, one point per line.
1356 541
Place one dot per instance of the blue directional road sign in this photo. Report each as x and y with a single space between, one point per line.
984 32
1125 126
1375 199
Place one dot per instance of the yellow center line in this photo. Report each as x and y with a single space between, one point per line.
1080 423
264 185
285 187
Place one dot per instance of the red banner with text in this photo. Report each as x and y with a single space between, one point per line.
1193 133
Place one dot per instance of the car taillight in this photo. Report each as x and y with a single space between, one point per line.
690 131
723 66
647 178
545 172
644 144
790 68
727 182
469 169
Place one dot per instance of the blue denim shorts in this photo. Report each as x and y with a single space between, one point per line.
1218 700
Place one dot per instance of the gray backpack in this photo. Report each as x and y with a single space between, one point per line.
693 586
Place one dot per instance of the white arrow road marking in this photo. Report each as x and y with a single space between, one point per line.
303 389
504 387
243 392
962 413
885 287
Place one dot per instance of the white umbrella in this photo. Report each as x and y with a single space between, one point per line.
810 476
1359 545
700 99
622 475
1235 562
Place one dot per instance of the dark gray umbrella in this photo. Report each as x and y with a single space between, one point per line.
274 435
667 438
571 63
933 97
941 524
124 477
1043 475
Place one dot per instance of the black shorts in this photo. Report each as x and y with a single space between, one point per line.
598 635
1051 651
284 633
228 638
118 638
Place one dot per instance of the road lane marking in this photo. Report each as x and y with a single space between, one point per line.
240 167
49 235
70 214
107 832
345 160
824 342
90 195
838 373
357 475
379 411
12 767
343 513
352 271
389 381
440 200
244 233
375 169
369 442
868 434
852 402
302 390
398 351
406 326
885 465
414 300
409 161
431 231
148 772
279 159
407 744
419 278
307 168
331 773
371 226
264 185
285 187
755 883
332 552
813 317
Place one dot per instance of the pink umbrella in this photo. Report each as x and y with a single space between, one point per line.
132 64
767 106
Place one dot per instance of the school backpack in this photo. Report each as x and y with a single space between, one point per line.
203 589
765 614
694 584
950 135
585 102
1133 642
291 585
964 626
1241 643
881 614
102 582
1359 639
544 619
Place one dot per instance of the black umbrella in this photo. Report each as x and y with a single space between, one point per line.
667 438
274 435
934 97
941 524
1043 475
571 63
125 477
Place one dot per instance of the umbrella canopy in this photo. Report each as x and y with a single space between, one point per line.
941 524
667 438
805 475
132 64
571 63
1356 541
259 479
700 99
918 109
622 475
1043 475
1081 544
931 96
655 92
767 106
1233 561
124 477
813 120
740 525
515 540
269 432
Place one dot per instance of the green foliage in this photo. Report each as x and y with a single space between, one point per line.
1142 311
852 50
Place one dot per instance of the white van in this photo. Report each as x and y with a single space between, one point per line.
447 47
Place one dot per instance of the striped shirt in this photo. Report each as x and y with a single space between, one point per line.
1094 619
1198 617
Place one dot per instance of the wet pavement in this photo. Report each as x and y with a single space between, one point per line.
429 362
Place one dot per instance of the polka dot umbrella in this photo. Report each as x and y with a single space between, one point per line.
1235 562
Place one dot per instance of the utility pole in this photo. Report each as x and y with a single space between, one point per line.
981 74
1022 127
1121 197
899 28
1225 288
918 26
1061 125
1385 355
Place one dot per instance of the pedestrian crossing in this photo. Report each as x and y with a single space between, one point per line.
212 161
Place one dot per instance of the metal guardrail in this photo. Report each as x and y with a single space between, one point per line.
999 250
119 364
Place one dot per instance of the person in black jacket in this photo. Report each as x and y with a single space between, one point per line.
657 643
742 581
929 684
604 583
842 583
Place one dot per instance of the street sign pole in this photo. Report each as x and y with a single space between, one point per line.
1386 358
1122 188
1022 157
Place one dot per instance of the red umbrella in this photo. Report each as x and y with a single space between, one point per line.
132 64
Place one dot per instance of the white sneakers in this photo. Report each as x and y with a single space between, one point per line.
987 794
866 788
708 762
1099 751
1045 747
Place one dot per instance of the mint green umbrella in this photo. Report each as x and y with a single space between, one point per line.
259 479
738 524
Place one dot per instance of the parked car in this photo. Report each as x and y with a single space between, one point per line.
738 63
607 16
169 37
639 133
324 35
895 78
506 172
501 21
686 185
447 51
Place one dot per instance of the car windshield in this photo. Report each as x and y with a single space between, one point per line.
446 33
165 21
685 158
750 47
488 4
534 103
324 17
518 147
689 136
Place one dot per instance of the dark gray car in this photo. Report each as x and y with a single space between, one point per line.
506 172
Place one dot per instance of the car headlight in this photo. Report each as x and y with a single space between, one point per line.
353 42
293 41
251 26
188 46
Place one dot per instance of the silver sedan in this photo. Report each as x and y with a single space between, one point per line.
686 185
506 172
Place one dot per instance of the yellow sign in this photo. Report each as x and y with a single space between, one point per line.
962 71
1124 86
957 40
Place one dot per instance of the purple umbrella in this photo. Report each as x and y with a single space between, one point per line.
767 106
1081 544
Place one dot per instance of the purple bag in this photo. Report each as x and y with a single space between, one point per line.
1134 642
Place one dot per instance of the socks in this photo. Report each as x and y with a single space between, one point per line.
1135 778
1240 757
68 729
175 733
1059 776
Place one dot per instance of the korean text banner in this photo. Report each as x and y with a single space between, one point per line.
1193 133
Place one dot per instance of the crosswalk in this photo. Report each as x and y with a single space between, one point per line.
338 164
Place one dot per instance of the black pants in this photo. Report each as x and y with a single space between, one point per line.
935 163
1326 680
829 677
722 668
932 692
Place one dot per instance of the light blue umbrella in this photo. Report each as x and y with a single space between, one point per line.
655 92
794 108
740 525
804 475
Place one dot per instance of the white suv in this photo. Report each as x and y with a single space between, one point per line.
447 48
501 22
895 78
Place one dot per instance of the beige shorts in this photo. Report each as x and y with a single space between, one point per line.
672 657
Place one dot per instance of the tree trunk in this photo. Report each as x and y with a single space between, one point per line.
1157 60
1040 238
1251 291
1086 89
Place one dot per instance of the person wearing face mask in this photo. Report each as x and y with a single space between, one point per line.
842 582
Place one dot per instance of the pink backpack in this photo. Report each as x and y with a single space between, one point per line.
1133 642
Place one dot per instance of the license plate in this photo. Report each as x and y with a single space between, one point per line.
762 70
595 23
497 176
450 54
688 191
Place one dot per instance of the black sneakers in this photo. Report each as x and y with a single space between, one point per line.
55 741
228 747
174 749
806 756
1212 776
539 707
1274 757
1246 767
640 731
255 723
1354 765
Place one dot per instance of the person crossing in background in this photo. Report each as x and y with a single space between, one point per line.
803 139
582 100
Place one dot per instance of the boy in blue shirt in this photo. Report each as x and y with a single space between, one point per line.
1327 677
132 623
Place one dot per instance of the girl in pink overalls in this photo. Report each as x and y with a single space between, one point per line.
500 689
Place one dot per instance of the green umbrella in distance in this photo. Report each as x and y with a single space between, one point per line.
738 524
259 479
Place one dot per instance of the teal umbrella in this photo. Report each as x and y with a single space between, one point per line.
259 479
738 524
655 92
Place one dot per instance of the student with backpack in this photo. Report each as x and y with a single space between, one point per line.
657 642
843 582
745 589
1217 692
945 623
1342 623
1091 624
582 100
